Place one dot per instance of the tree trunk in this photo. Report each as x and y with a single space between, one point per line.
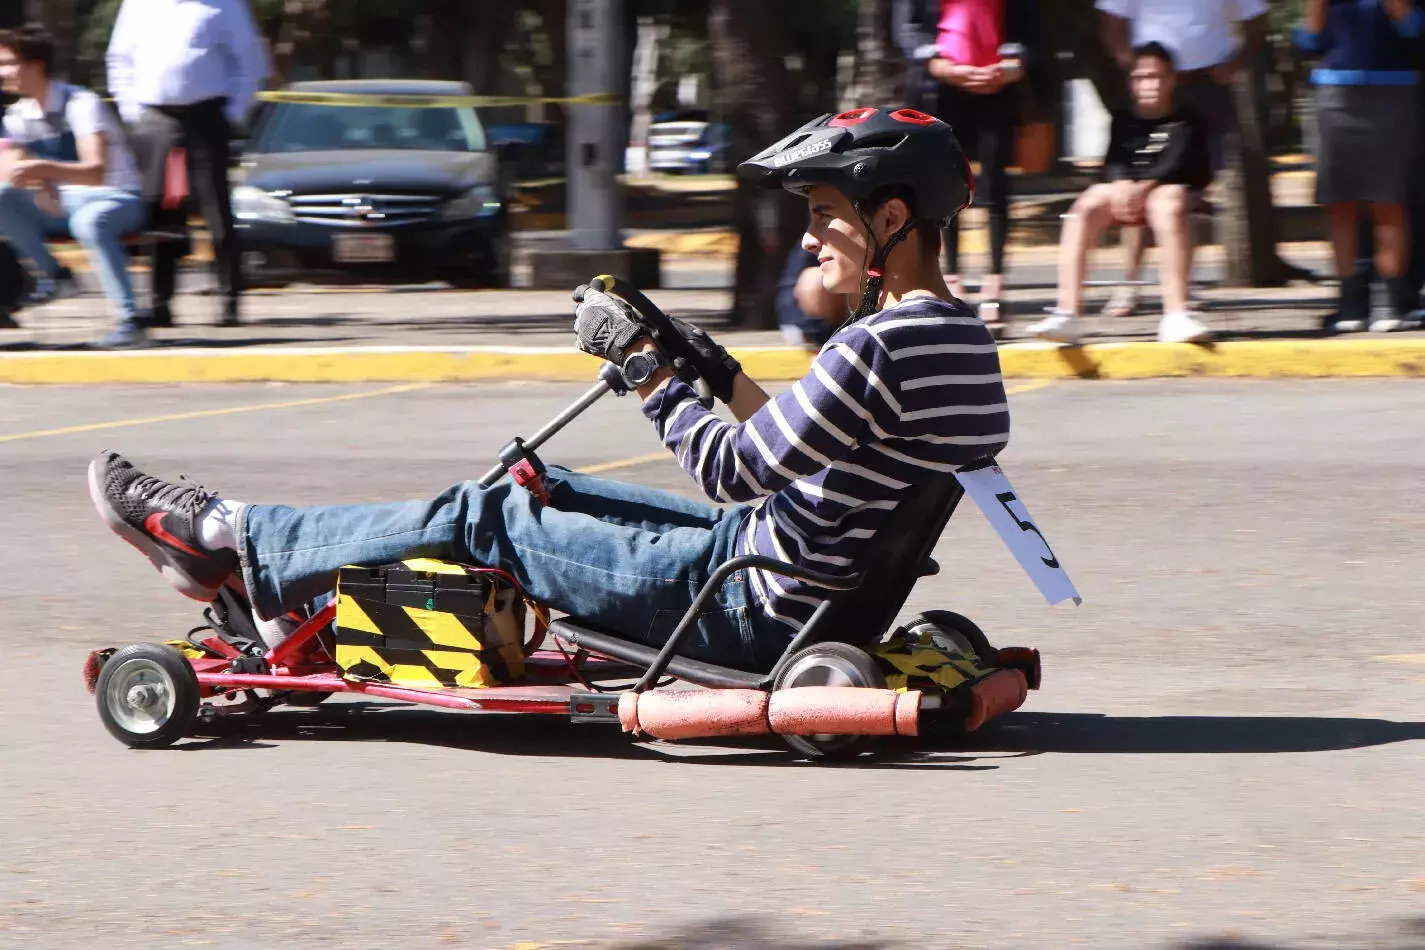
754 95
553 76
1072 26
59 18
879 74
1247 229
306 30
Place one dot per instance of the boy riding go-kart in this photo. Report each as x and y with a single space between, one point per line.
905 394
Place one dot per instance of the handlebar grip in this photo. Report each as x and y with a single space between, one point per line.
665 334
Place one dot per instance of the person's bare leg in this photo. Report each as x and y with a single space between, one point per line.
1091 213
1391 240
1392 260
1167 214
1125 299
1344 219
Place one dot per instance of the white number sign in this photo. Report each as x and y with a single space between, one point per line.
991 491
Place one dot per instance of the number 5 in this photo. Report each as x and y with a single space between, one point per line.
1004 498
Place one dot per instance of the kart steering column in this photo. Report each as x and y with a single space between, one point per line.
610 381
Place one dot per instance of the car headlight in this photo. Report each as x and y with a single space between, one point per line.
254 204
482 201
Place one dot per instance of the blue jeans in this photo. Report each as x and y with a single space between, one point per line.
96 217
621 557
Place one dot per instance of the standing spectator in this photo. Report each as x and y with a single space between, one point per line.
1367 120
967 56
185 73
1209 58
1156 164
67 172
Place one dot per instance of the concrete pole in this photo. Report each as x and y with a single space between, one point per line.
596 57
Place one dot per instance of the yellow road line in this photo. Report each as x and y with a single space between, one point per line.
626 463
1402 658
204 413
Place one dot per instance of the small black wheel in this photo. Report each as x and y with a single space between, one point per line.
949 630
830 664
148 695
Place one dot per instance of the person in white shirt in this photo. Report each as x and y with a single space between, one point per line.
64 146
1212 42
185 73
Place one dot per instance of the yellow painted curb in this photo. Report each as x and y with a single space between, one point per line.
1254 359
1266 359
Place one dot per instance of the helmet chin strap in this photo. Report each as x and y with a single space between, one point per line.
876 271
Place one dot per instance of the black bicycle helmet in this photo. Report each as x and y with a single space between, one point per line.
866 149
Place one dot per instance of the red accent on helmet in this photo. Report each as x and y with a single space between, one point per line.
914 117
855 117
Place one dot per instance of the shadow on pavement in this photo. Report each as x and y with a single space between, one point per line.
534 735
1016 736
1403 935
738 933
1222 735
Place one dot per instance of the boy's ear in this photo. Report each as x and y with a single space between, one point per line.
893 216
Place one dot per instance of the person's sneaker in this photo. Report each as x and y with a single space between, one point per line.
125 336
161 520
1182 327
1348 325
1390 324
48 289
1059 327
159 315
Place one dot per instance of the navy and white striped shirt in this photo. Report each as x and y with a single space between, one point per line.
890 399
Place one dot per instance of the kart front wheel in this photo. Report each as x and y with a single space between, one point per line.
148 695
830 664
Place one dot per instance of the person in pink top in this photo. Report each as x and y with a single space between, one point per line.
967 60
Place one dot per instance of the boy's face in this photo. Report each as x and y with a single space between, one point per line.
837 238
1153 83
18 77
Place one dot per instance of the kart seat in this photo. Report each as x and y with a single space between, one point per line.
866 602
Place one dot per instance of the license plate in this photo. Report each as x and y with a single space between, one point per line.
363 248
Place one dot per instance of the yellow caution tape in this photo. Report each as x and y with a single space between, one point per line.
433 102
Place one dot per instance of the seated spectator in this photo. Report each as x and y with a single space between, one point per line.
65 146
807 314
1367 122
1155 169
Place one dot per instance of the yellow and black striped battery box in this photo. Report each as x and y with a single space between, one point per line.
429 623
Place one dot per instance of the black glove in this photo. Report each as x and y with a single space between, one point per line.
606 326
712 362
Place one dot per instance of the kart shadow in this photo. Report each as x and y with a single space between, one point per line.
540 736
1017 735
1222 735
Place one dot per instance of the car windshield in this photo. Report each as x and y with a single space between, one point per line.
306 127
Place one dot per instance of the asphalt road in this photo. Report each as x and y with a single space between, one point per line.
1226 753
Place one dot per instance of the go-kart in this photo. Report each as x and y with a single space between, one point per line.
465 637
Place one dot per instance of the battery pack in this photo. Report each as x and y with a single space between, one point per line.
429 623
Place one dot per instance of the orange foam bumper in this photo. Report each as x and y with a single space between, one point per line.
695 713
1001 692
802 710
842 711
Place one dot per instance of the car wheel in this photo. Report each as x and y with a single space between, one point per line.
492 273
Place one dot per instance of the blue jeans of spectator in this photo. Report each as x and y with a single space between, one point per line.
97 217
621 557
